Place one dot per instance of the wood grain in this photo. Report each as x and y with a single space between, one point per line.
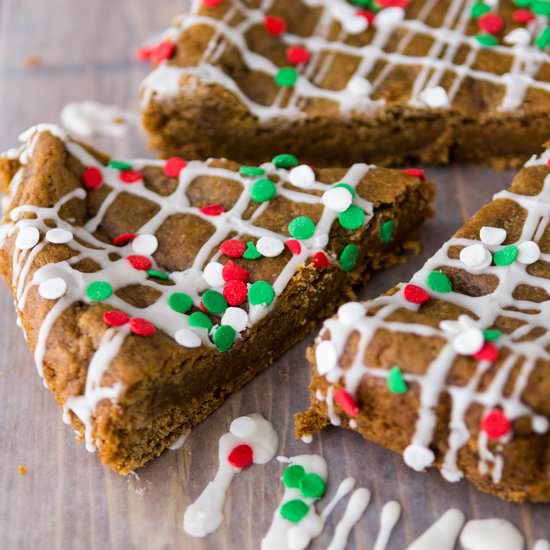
68 500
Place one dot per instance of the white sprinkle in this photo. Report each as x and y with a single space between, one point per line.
350 313
52 289
468 342
528 252
27 238
270 247
337 199
213 274
145 245
418 457
540 424
355 24
326 356
389 17
302 176
492 236
435 97
476 257
242 427
235 317
518 37
307 439
187 338
59 236
359 86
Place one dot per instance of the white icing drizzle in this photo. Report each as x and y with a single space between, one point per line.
442 534
388 519
357 504
541 544
205 515
491 534
447 39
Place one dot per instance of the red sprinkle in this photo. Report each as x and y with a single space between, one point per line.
298 55
496 424
233 272
202 308
212 210
163 51
346 402
140 262
415 173
130 176
174 166
491 23
320 261
124 238
415 294
92 177
488 352
393 3
115 318
241 456
233 248
235 292
211 3
367 14
142 327
144 53
523 16
274 25
294 246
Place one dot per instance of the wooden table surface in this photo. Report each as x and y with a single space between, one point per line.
68 500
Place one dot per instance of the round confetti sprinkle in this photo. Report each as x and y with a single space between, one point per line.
435 97
235 292
233 272
496 424
543 39
139 262
389 17
302 176
174 166
491 23
415 173
145 245
224 337
251 171
298 55
142 327
212 210
439 282
337 199
270 247
285 160
180 302
487 40
294 246
354 24
198 319
353 218
506 256
347 186
251 252
124 239
518 37
235 317
326 357
263 190
233 248
163 51
261 293
294 510
320 260
115 318
214 302
359 86
386 231
488 352
468 341
27 238
491 334
346 402
130 176
528 253
52 289
415 294
212 274
396 381
120 165
523 16
350 313
541 7
99 291
492 236
212 3
478 9
187 338
274 25
312 486
242 427
156 274
301 227
476 257
59 236
293 475
348 257
286 77
92 178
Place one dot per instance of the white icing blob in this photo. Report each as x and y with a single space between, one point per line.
355 24
491 534
270 247
528 252
59 236
355 508
89 118
418 457
359 86
389 17
338 199
350 313
187 338
302 176
325 356
492 236
145 244
388 519
213 274
435 97
243 427
468 341
27 238
541 544
235 317
476 257
52 289
442 534
518 37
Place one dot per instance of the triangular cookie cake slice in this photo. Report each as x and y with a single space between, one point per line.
150 290
453 368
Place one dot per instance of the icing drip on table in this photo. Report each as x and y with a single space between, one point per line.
491 534
541 545
205 515
359 95
388 519
442 534
180 441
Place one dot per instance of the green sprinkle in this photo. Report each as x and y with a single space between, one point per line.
286 77
156 274
214 301
348 257
301 227
251 171
294 510
263 190
486 39
312 486
352 218
99 291
386 231
396 382
438 281
363 3
479 9
523 3
198 319
120 165
491 334
293 475
543 39
251 252
347 186
541 7
180 302
506 255
261 293
224 337
285 160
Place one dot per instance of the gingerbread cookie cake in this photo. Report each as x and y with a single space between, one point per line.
339 81
453 368
148 290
